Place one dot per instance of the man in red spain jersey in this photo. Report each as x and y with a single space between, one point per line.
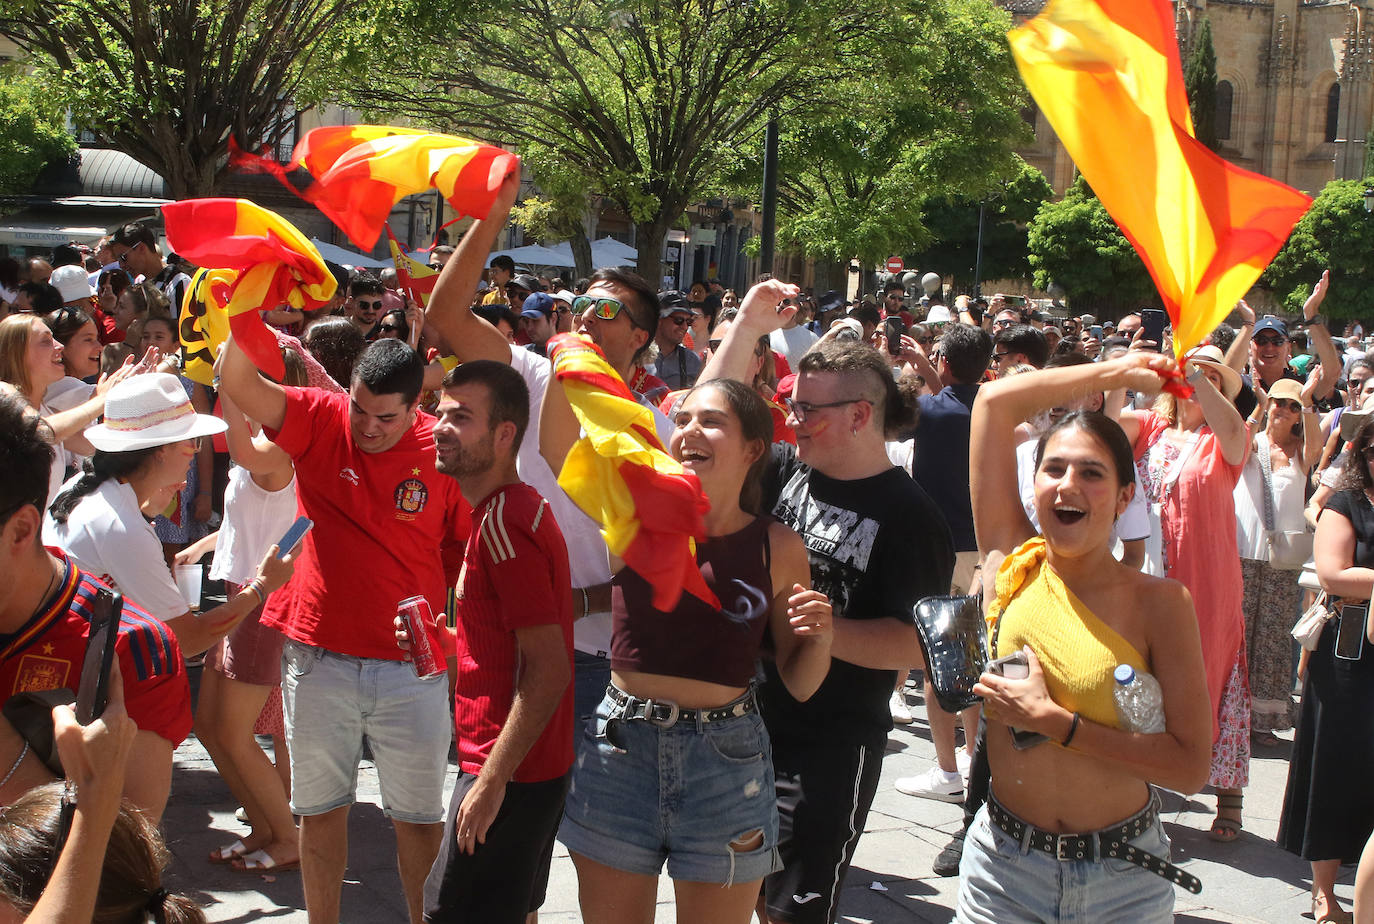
513 704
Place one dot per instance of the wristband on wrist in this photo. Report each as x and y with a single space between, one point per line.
1317 318
1073 730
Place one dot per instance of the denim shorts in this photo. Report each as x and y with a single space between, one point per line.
333 702
1002 883
681 794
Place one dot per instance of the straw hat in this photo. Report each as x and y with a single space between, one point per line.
149 410
1287 390
1211 357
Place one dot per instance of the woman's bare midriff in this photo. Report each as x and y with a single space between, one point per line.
689 694
1060 790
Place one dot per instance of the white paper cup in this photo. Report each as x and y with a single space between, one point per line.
189 579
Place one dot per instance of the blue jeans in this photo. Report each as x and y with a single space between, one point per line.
1002 883
684 794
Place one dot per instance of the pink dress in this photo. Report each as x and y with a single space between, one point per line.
1198 523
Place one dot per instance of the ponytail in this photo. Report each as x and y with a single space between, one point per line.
103 466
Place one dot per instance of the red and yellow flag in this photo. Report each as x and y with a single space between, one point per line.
257 260
362 171
1106 73
417 279
649 507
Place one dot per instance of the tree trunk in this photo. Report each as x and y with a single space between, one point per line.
582 255
649 259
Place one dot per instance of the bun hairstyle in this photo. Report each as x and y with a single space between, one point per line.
102 467
872 371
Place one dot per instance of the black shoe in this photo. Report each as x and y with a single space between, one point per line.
947 863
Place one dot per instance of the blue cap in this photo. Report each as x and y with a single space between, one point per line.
1124 674
1269 322
537 305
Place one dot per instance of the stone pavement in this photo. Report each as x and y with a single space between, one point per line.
1250 880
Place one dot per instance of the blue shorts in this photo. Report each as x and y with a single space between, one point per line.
332 702
1002 883
681 794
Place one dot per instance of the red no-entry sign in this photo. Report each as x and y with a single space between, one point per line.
895 265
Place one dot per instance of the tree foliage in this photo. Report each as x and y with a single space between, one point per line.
559 211
1335 234
1006 213
1200 78
933 116
649 103
169 83
33 133
1076 244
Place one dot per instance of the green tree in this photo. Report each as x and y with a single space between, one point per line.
33 133
1335 234
1369 154
647 103
559 210
1200 77
1075 243
169 83
954 222
920 121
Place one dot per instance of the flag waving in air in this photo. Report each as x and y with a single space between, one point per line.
256 260
1106 73
416 279
648 505
362 171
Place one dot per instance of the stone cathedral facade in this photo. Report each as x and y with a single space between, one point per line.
1295 88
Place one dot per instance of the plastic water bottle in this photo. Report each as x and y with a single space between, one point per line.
1139 701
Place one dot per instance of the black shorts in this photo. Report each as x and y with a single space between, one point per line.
506 877
824 791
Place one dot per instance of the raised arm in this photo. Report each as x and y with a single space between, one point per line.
759 316
1311 425
1221 415
1321 337
559 428
998 517
259 398
1238 353
260 456
469 337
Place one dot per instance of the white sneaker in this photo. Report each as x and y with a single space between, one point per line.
901 715
933 784
963 761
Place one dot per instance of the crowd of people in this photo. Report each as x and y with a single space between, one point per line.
852 459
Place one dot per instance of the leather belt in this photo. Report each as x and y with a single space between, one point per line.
666 713
1108 843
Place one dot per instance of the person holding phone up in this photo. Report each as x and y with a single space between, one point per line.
1328 809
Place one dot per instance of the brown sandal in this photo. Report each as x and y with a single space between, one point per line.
1226 827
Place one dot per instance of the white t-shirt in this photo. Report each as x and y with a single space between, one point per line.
254 520
1132 525
792 343
588 559
107 535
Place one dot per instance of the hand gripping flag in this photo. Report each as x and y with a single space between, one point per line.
362 171
258 260
649 507
1106 74
416 279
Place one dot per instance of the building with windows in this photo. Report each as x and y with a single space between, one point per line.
1294 87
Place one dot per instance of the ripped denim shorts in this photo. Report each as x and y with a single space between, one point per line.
698 795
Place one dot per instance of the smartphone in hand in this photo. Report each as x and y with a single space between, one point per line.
93 692
294 535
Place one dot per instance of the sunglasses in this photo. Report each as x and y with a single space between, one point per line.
1271 341
374 306
605 309
998 357
678 320
124 257
1293 406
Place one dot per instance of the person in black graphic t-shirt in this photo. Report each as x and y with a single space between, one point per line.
877 544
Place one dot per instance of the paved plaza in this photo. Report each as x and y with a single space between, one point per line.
1250 880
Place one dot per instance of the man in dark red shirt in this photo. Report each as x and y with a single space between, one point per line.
513 704
365 474
45 613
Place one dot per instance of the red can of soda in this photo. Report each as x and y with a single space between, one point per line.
419 622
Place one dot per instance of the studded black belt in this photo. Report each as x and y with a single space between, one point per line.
1108 843
665 713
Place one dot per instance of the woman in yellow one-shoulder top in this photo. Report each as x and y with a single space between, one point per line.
1071 829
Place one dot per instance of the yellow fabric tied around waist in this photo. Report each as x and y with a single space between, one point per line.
1078 652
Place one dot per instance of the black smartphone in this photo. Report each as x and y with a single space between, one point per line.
1152 322
1016 666
294 535
893 329
1351 631
93 693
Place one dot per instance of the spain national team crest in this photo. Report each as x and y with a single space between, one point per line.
37 673
411 497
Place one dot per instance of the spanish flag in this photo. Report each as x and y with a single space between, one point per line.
258 260
417 280
1107 76
619 468
362 171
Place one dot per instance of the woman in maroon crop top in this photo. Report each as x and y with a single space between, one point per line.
675 766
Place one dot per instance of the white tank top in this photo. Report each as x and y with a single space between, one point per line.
254 519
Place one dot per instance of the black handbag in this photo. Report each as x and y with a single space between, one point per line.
954 640
31 715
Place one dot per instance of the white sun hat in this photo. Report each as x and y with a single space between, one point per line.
149 410
73 282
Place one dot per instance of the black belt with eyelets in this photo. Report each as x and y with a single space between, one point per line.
1108 843
665 713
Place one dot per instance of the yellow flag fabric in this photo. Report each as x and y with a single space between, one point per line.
1107 76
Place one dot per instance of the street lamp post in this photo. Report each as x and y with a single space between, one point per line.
1369 199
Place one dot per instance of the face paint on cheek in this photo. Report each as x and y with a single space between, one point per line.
820 428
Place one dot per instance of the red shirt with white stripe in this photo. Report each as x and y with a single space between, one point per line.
515 574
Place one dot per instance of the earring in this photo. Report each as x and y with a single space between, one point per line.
853 431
